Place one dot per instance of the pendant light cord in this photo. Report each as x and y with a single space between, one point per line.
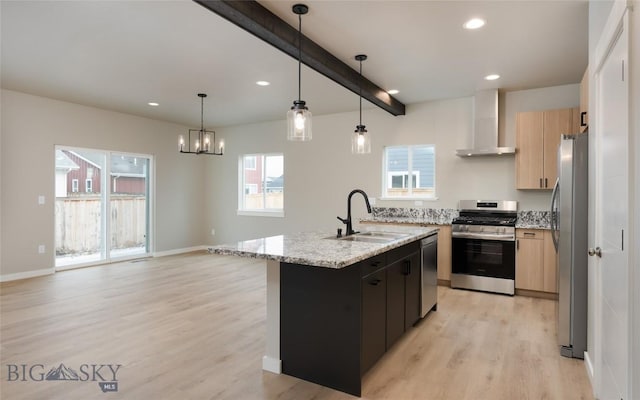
201 114
360 92
299 56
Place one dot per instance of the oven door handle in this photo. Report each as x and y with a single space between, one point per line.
485 236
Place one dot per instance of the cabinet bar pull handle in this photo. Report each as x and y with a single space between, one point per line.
545 182
582 115
529 234
375 282
407 267
517 245
541 182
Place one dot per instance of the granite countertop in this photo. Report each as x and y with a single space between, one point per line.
429 216
320 249
534 220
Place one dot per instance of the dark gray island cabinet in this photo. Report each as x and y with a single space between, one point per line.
336 323
335 305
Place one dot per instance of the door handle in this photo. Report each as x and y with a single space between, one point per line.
595 252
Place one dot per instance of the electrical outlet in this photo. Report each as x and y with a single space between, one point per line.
41 249
41 200
213 232
372 201
418 202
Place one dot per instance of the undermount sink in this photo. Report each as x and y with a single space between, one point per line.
372 237
381 234
368 239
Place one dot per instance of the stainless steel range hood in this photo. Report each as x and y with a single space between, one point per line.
485 127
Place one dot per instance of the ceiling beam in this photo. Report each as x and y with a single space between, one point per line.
259 21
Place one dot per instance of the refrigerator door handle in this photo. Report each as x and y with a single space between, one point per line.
554 214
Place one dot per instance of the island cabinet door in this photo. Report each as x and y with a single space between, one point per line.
374 318
412 291
395 300
320 325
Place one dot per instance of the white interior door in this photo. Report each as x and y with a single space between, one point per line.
612 216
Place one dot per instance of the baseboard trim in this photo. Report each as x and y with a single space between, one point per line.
26 275
179 251
535 293
48 271
589 366
272 365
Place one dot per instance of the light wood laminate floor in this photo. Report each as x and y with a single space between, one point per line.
193 327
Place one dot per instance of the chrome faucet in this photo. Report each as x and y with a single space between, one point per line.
347 221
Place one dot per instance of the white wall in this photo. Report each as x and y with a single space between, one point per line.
319 174
32 126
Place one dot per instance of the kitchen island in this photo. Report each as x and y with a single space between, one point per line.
334 306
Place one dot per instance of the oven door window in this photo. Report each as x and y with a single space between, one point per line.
481 257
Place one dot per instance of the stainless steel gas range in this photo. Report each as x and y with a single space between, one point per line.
483 250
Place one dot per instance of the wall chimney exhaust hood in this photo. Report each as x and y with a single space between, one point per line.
485 127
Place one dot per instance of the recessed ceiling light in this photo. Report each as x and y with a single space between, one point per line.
474 23
393 91
492 77
263 83
153 104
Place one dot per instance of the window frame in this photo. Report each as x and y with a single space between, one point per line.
242 186
387 175
75 185
88 185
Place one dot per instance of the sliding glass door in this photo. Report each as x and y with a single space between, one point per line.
102 206
129 205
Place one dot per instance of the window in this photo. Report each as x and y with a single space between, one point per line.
409 172
261 184
88 186
74 186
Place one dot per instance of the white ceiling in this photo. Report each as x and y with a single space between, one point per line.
120 55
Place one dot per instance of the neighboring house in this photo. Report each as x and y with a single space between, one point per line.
275 184
253 174
86 178
64 165
128 176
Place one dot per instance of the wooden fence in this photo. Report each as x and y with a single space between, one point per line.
78 223
256 201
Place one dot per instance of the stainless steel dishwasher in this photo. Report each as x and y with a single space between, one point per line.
429 276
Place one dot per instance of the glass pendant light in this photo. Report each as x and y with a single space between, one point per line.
299 116
360 138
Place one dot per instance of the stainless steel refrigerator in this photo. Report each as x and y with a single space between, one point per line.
569 213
